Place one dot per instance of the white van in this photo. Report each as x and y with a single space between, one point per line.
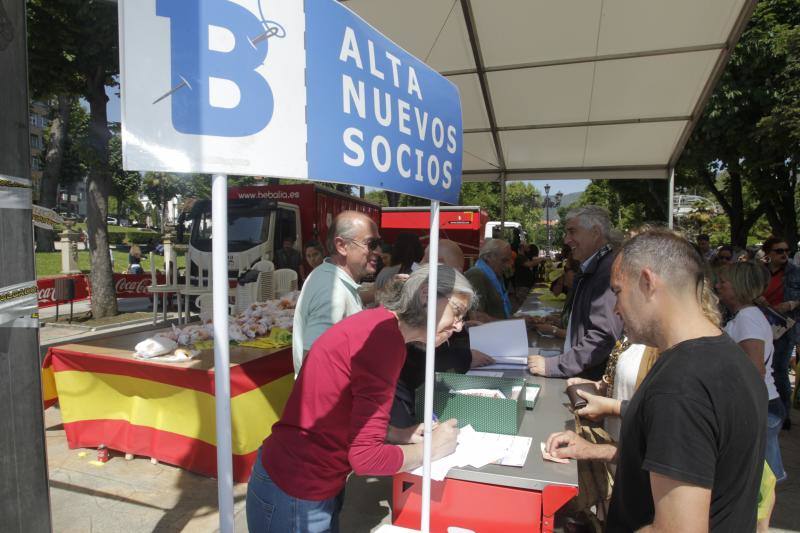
511 231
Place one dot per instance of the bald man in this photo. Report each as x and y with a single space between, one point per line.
450 254
330 293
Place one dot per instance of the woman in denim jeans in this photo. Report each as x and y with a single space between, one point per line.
738 286
336 420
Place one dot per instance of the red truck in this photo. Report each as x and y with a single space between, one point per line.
462 224
261 217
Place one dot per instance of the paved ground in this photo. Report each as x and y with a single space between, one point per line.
136 496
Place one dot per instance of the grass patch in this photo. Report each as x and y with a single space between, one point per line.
49 263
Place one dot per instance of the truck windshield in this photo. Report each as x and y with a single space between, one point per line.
247 224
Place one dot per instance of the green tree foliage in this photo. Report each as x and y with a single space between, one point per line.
126 185
630 203
73 50
377 197
523 202
750 127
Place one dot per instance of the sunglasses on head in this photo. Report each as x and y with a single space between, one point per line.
780 250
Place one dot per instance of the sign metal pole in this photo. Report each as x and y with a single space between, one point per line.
430 347
222 381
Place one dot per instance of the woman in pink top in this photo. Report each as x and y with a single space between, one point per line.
336 420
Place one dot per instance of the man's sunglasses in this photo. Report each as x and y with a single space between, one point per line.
369 244
780 250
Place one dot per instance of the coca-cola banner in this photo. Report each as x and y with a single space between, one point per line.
134 285
47 289
126 286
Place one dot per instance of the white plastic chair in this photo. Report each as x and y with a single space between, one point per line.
284 280
259 291
203 286
164 290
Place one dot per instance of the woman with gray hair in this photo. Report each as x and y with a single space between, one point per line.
336 420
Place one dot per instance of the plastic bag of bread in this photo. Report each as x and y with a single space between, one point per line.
154 346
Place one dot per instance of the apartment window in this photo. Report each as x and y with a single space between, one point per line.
36 142
35 163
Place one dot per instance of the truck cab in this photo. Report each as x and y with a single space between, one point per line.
513 232
256 230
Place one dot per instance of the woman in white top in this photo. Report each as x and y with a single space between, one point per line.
738 285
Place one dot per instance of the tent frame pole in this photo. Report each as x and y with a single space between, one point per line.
430 347
222 380
670 197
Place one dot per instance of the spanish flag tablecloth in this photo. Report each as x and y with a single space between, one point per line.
165 410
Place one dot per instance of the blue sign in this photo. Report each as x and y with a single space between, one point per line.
284 88
377 116
194 64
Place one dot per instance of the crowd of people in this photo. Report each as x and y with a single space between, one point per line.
684 349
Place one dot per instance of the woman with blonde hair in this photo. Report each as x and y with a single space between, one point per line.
739 284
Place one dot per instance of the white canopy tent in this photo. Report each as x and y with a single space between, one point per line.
569 89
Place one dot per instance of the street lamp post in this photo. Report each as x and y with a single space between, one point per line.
548 204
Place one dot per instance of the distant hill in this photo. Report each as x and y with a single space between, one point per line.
569 199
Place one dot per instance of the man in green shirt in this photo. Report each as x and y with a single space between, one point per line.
330 293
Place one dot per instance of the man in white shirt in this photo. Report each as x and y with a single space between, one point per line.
330 293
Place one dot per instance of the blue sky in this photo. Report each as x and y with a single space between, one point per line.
565 186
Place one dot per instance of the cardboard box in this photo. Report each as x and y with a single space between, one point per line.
492 415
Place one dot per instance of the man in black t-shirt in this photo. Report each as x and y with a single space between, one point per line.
691 448
692 442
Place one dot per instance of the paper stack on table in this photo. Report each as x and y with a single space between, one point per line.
478 449
506 341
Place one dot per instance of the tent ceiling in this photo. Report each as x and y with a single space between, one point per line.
570 89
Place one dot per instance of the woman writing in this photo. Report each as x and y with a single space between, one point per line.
337 417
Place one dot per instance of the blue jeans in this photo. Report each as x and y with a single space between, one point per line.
772 452
269 509
780 368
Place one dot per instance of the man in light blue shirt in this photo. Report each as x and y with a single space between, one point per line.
330 293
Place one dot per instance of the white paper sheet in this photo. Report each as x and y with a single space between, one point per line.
503 338
530 393
485 373
478 449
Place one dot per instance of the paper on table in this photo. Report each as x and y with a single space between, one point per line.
511 360
503 338
517 453
534 312
478 449
485 373
504 366
530 393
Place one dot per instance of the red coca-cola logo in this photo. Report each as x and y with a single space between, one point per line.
48 293
126 285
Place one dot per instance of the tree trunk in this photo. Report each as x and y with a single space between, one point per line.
48 188
98 186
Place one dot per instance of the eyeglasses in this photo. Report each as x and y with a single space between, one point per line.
370 244
780 250
458 311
